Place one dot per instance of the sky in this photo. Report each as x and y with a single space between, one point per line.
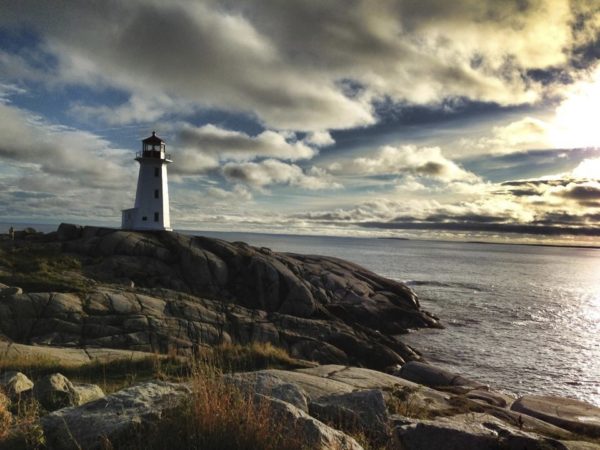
470 119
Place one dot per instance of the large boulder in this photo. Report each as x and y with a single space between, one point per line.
15 383
573 415
56 391
269 385
360 411
315 434
121 417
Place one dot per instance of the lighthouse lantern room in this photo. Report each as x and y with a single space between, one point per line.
151 209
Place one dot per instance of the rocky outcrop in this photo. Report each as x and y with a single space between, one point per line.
121 417
465 431
167 292
256 278
162 321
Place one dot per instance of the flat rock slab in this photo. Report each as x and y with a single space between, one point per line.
332 380
69 355
432 376
467 431
573 415
355 377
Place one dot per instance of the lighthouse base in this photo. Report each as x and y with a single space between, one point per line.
131 219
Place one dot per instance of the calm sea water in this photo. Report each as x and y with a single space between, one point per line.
522 319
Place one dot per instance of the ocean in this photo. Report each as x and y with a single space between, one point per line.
523 319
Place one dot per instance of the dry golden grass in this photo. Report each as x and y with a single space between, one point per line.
216 416
253 356
19 425
5 416
219 416
109 375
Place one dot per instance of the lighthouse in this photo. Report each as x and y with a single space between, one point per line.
151 208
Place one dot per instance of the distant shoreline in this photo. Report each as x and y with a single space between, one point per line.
45 227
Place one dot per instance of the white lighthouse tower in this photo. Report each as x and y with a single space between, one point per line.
151 209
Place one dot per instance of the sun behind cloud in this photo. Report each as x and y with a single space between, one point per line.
588 168
576 120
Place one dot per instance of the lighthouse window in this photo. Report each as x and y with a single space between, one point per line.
156 171
156 217
155 193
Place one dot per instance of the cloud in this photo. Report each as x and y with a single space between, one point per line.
138 108
271 171
237 194
236 145
585 192
192 52
319 139
66 153
407 159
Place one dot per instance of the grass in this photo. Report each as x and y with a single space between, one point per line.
40 267
217 416
120 373
109 375
252 356
5 416
19 424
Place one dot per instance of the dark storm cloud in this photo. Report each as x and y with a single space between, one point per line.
529 188
564 218
582 192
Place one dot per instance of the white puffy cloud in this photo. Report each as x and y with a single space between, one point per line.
271 172
407 159
319 139
69 154
205 148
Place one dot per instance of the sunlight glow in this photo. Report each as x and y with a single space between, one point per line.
588 168
576 120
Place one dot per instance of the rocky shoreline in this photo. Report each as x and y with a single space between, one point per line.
115 294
